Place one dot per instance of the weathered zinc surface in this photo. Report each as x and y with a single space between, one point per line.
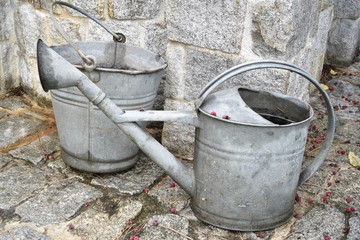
43 198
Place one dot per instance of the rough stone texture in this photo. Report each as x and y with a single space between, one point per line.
274 26
12 103
75 29
319 222
23 233
4 159
343 41
319 44
93 7
354 224
138 9
347 127
208 232
133 181
155 36
173 221
128 28
349 9
214 25
170 195
37 150
27 31
96 224
177 137
176 57
6 19
282 28
18 187
9 69
14 128
60 202
201 67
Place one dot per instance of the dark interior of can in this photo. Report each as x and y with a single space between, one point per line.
277 108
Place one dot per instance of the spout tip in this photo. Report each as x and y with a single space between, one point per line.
40 54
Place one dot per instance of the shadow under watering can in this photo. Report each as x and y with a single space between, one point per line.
246 168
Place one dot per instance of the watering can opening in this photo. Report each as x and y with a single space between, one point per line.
245 106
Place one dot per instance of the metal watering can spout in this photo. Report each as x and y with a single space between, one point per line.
55 72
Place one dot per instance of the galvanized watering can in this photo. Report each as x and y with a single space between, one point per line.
246 168
129 75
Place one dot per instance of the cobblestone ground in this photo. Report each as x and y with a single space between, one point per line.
43 198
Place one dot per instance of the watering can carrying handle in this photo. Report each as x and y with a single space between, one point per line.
88 60
319 159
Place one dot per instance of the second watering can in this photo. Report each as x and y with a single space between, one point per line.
248 150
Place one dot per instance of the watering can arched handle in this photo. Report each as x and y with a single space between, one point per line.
319 159
88 60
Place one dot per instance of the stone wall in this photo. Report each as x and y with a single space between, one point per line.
344 37
199 39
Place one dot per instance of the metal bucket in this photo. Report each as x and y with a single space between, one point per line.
130 76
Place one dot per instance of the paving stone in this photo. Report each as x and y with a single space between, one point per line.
2 114
348 187
173 221
18 183
96 224
58 165
135 9
320 221
209 24
354 225
12 103
133 181
5 159
14 128
23 233
171 197
58 202
208 232
37 150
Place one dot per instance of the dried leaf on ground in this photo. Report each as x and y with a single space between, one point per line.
332 72
325 87
354 160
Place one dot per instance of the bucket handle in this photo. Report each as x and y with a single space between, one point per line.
319 159
89 61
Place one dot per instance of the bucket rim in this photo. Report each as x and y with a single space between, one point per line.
114 70
311 114
130 72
